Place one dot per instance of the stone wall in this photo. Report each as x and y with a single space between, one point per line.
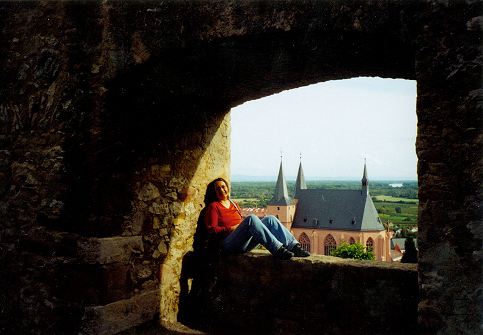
257 294
114 116
449 90
100 183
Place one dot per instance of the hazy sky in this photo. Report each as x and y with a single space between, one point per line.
334 125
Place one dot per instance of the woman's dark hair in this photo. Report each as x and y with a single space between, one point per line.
210 195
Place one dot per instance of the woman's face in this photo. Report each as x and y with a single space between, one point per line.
222 191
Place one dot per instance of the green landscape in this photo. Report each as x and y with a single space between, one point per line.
397 206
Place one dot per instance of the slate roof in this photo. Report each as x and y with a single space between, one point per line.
365 180
348 210
280 197
300 182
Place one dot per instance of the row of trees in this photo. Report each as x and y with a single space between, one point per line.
265 189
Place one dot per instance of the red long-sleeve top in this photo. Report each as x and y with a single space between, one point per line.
219 219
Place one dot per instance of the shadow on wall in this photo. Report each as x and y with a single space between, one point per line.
198 279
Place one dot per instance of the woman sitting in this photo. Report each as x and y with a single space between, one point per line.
223 219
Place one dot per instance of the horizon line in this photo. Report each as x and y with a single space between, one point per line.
318 178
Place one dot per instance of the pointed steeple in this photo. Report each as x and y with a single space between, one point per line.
365 180
280 197
300 182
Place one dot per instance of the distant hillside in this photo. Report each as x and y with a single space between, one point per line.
244 178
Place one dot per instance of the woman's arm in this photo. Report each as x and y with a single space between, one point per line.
212 220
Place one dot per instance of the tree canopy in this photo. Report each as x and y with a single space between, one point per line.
355 251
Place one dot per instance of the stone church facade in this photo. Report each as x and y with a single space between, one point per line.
322 219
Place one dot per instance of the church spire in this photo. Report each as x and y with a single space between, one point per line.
365 180
280 197
300 182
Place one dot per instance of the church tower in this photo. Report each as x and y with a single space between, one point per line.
281 205
365 181
300 182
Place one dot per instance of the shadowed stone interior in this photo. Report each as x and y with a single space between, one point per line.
115 115
256 294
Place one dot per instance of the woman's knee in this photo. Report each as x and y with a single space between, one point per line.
254 220
270 219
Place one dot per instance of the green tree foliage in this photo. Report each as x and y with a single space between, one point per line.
410 253
355 251
381 210
255 189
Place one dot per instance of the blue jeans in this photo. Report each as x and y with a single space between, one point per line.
252 231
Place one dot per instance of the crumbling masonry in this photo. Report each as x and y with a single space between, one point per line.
115 115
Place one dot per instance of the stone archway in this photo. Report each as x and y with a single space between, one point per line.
124 115
203 80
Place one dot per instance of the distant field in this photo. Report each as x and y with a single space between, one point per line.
243 199
390 198
246 202
407 216
249 202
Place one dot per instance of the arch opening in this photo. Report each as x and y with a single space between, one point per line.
335 130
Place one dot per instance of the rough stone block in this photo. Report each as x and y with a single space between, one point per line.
120 315
109 249
116 282
148 192
94 284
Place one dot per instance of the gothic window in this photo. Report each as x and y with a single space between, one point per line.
370 244
304 242
352 241
329 244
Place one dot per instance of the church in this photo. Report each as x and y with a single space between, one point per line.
321 219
